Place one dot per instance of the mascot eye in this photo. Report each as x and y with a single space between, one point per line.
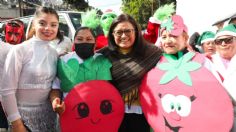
105 17
106 107
113 16
83 110
183 105
168 103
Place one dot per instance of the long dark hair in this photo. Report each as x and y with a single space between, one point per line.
47 10
139 43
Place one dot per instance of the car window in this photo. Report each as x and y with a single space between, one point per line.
1 24
26 22
63 26
1 31
75 19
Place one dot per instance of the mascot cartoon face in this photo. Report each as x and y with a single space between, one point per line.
181 95
93 106
106 20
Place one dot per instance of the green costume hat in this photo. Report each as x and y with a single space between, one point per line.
164 12
205 37
90 19
227 30
175 25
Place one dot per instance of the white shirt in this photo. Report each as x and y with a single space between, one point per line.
28 74
229 75
4 49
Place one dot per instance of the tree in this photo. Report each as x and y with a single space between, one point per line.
142 10
81 5
163 2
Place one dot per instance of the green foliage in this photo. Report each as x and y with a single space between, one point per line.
142 10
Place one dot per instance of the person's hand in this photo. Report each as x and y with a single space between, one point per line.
154 20
18 126
58 106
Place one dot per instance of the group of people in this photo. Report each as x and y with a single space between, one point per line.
36 76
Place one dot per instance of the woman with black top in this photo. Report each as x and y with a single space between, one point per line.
132 57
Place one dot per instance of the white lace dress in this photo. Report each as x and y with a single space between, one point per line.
27 79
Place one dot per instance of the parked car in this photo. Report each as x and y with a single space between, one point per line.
69 21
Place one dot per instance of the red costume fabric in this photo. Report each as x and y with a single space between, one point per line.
93 106
101 41
152 32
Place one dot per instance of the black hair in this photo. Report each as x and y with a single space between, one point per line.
193 41
139 42
85 28
49 10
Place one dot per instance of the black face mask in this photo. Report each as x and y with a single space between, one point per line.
84 50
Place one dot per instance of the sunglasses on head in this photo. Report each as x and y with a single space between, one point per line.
228 40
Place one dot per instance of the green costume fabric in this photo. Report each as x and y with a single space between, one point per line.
72 73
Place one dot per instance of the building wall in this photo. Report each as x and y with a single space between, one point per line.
9 13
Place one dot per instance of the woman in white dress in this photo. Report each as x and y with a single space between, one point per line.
28 74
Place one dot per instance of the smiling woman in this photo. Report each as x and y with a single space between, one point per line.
131 58
31 67
46 26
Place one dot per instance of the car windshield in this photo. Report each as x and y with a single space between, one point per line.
75 19
1 31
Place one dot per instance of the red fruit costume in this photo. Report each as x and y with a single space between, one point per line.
181 95
93 106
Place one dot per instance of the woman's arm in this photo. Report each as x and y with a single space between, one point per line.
18 126
10 80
